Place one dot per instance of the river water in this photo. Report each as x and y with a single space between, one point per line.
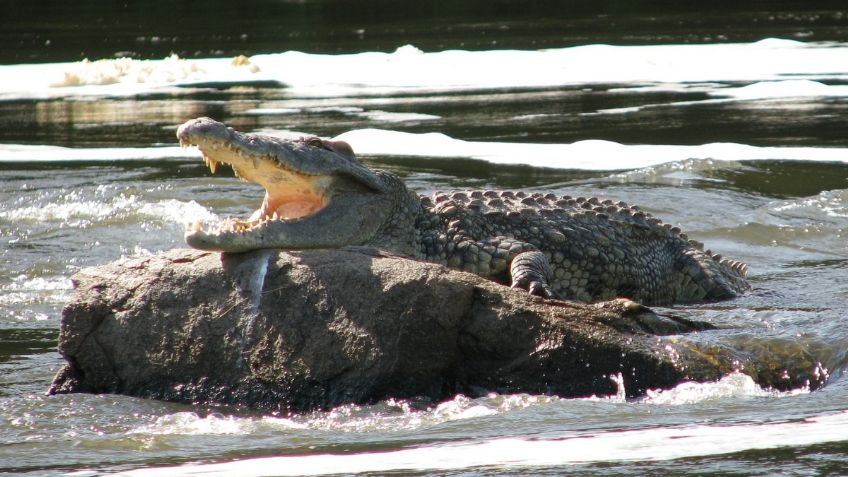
727 122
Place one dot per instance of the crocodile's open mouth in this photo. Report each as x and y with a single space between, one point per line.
311 186
289 195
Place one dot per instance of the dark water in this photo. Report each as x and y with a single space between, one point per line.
51 30
787 219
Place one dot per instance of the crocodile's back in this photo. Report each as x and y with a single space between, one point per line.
596 249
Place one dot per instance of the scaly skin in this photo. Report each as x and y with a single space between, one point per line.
318 195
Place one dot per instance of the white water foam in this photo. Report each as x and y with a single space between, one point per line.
190 423
72 210
598 155
827 204
27 290
653 444
609 446
409 69
592 155
120 77
733 386
388 416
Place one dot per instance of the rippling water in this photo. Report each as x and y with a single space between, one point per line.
731 127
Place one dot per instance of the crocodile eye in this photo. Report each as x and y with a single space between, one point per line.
314 142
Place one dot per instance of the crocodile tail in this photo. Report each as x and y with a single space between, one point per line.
737 268
705 276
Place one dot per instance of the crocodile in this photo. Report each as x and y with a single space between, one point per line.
318 195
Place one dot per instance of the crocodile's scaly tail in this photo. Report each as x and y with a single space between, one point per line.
705 276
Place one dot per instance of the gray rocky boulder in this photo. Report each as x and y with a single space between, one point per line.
305 330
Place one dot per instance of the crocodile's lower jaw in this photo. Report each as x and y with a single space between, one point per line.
286 211
232 225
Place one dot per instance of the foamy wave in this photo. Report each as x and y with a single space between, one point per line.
395 415
40 284
106 72
655 444
409 69
387 416
502 453
121 77
26 290
584 155
732 386
190 423
178 212
593 155
830 203
72 210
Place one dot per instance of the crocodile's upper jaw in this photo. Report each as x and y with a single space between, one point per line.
301 177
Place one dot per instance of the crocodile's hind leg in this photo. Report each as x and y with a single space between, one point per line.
520 263
531 271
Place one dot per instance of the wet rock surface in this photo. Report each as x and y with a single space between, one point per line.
306 330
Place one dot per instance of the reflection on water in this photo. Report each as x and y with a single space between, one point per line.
108 121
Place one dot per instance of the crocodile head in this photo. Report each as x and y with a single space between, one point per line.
317 194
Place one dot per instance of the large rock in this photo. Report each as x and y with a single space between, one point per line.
305 330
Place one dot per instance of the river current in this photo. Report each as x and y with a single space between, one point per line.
729 127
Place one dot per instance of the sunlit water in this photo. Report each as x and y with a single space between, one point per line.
742 145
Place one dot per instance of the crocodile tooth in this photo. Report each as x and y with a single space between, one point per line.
275 216
213 165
